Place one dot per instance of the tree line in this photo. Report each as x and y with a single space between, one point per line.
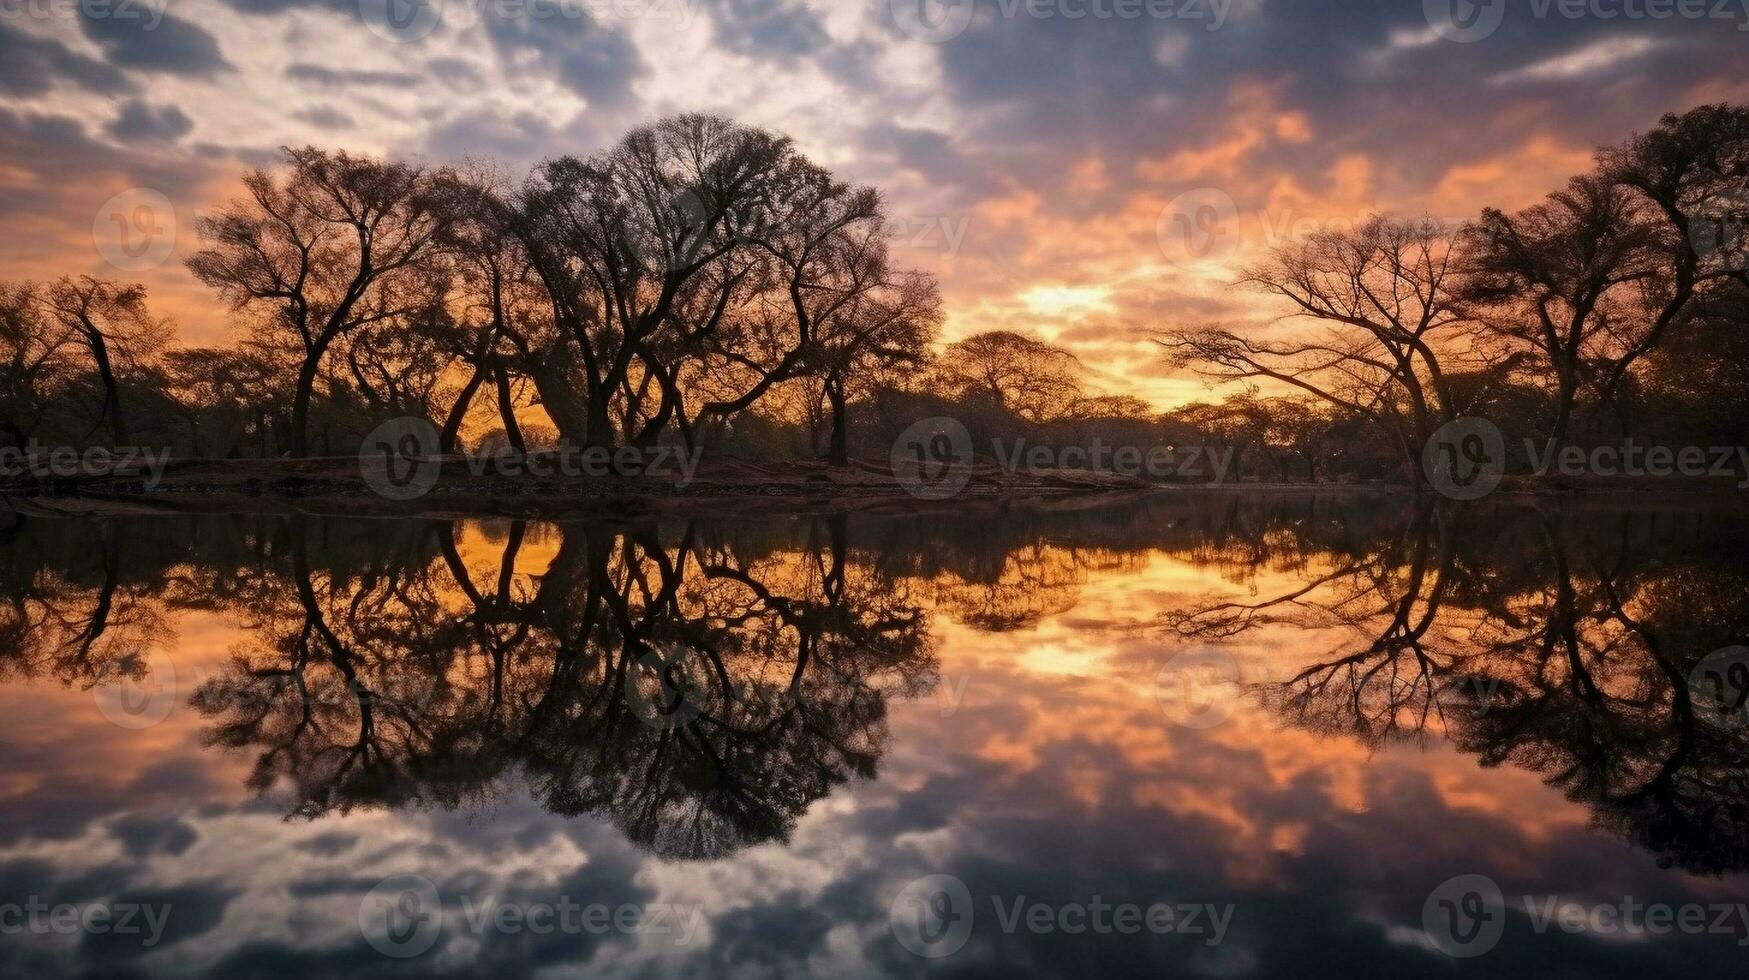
704 282
1617 307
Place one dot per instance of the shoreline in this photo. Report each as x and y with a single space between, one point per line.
338 486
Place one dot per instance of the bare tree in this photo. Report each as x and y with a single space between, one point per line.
335 243
113 326
1384 294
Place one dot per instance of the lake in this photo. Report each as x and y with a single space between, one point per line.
1219 734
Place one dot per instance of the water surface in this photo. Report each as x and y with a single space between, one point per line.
1315 730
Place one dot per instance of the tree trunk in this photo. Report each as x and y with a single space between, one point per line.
452 426
838 452
558 395
300 420
507 410
111 390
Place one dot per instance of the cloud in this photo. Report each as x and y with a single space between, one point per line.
1589 60
31 65
325 117
151 41
323 75
140 121
595 61
777 29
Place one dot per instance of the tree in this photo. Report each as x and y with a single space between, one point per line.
1694 170
335 243
1384 293
619 238
885 327
1583 279
31 353
113 326
1036 381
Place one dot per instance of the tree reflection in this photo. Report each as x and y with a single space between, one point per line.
1570 656
701 685
698 697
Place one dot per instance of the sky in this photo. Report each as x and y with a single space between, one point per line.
1085 171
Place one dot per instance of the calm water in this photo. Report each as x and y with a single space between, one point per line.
1213 736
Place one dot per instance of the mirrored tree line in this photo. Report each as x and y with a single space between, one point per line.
1570 644
701 686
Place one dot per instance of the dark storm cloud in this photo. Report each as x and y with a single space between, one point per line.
133 37
1370 77
32 65
140 121
190 911
144 834
594 61
777 29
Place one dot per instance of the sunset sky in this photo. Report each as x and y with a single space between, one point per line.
1036 163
